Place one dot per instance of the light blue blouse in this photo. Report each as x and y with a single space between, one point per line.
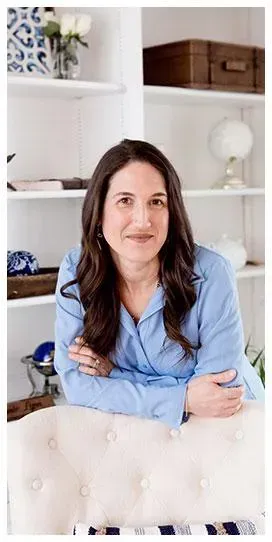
150 378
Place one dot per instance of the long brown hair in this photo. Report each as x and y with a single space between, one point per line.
96 273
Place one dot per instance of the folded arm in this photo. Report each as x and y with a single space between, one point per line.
127 392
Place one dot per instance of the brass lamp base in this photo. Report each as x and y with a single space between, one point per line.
229 183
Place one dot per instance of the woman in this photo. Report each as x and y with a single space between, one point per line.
148 322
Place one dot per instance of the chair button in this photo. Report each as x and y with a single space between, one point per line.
52 444
111 436
37 484
204 483
239 434
145 483
84 491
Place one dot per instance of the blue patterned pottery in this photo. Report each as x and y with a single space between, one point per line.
27 50
21 262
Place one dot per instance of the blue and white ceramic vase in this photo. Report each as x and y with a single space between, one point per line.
21 262
28 50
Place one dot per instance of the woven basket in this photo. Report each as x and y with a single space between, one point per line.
43 283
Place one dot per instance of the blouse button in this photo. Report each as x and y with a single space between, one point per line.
239 434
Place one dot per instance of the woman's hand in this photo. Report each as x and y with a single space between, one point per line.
206 398
90 362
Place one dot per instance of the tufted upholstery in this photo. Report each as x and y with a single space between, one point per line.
70 463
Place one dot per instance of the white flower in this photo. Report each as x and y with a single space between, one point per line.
67 24
49 16
83 24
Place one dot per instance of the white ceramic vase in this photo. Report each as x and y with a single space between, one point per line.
231 249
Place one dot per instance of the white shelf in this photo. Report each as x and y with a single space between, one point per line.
223 193
46 194
61 194
45 87
249 271
187 96
31 301
28 86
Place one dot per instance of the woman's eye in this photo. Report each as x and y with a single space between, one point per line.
157 202
125 201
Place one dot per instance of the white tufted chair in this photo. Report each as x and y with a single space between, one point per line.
70 463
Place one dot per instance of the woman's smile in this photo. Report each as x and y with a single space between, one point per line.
140 237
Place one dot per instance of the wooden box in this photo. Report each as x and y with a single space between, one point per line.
18 409
42 283
203 64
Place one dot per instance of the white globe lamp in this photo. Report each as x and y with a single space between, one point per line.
230 141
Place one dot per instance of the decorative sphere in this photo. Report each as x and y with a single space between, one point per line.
21 262
43 358
231 138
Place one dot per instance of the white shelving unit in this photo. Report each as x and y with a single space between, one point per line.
251 272
179 121
60 194
46 194
31 301
194 97
59 129
45 87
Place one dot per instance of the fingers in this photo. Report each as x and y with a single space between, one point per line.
225 376
89 370
89 363
230 411
85 350
80 358
233 403
85 355
234 393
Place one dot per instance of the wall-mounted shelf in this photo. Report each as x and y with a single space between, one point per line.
249 271
30 301
214 193
45 194
186 96
45 87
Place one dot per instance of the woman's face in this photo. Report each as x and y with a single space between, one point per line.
135 215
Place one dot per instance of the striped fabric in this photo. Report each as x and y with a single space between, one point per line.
242 527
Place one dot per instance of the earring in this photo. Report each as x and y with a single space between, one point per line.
99 235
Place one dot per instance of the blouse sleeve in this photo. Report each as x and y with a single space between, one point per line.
220 324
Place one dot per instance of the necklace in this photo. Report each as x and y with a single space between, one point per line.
134 318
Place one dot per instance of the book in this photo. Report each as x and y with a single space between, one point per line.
76 183
37 185
18 409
